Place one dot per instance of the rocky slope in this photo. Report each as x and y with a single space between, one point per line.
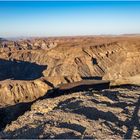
112 114
31 68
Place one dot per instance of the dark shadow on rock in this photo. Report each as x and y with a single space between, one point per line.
24 133
83 85
49 83
71 135
111 95
134 122
69 88
127 86
115 130
91 112
76 127
95 114
92 78
11 113
94 61
20 70
70 106
122 105
68 135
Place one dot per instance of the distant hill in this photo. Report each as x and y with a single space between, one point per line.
130 34
2 39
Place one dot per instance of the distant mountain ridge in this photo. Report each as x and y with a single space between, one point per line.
2 39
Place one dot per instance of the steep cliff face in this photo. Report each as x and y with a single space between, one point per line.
83 60
12 92
72 59
16 91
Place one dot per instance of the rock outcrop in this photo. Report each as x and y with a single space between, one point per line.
112 113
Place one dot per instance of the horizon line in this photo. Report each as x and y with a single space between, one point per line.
59 36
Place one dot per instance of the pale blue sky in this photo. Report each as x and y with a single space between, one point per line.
68 18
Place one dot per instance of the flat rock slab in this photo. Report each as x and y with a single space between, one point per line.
84 85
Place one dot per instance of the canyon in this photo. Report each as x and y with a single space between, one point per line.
32 69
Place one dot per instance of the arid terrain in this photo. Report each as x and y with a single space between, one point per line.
70 87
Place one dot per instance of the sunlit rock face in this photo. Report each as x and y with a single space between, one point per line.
34 70
66 60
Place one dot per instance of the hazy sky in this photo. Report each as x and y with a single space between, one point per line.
68 18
